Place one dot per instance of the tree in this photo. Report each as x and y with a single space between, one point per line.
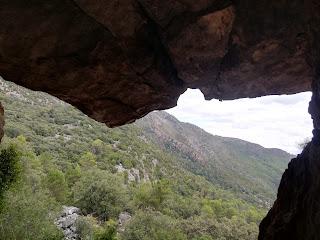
73 174
56 183
89 228
29 215
151 195
107 232
46 161
10 169
97 147
152 225
88 160
101 194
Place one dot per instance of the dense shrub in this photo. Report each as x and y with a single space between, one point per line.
10 169
100 193
29 215
152 225
88 228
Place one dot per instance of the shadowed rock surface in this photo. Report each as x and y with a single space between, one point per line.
295 214
118 60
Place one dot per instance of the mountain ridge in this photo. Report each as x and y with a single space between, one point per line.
221 155
230 138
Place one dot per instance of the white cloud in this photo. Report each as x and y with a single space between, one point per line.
272 121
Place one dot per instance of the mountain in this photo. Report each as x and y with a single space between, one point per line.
246 168
166 175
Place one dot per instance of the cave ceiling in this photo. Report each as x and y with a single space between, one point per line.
117 60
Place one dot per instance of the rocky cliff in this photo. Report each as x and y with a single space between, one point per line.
295 214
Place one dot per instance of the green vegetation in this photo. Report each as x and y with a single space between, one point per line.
250 171
152 225
28 210
61 157
9 169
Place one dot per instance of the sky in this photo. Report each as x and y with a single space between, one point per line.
272 121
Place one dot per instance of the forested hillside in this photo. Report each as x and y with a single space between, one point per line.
179 183
247 169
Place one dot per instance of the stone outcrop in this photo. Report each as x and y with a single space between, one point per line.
123 219
133 174
117 60
67 222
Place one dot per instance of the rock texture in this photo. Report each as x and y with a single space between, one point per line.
123 219
67 222
117 60
296 212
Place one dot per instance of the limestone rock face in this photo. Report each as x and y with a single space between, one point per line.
117 60
67 222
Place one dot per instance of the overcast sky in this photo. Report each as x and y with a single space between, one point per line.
272 121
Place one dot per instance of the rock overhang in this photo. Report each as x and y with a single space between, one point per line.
117 60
